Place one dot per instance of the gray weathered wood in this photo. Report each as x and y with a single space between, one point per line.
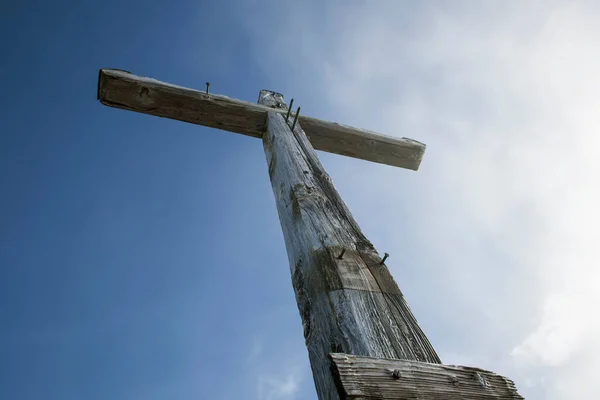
366 378
122 89
352 304
347 298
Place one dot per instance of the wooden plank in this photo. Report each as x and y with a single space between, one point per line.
122 89
348 303
366 378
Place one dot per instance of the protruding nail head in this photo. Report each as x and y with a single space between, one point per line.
385 256
289 110
295 119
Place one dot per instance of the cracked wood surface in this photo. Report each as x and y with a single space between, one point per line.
366 378
121 89
350 304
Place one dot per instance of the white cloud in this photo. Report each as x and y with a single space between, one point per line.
278 375
256 351
504 227
277 387
276 363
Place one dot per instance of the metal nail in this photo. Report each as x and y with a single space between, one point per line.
289 110
385 256
295 119
207 85
342 254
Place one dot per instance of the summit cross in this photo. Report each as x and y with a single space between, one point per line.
362 339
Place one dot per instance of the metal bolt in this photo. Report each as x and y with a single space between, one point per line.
295 119
385 256
396 374
207 85
289 110
341 254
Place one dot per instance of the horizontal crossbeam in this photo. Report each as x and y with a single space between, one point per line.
365 378
121 89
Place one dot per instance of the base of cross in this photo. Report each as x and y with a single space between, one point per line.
359 377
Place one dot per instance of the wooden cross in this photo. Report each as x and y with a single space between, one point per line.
362 339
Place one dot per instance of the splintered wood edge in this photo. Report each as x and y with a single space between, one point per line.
359 377
122 89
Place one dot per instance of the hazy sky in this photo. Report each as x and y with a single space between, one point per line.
143 258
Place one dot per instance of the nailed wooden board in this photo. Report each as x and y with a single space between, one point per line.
122 89
366 378
349 304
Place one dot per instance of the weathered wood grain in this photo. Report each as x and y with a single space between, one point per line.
366 378
122 89
347 304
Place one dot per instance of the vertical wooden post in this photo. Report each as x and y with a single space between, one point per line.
347 298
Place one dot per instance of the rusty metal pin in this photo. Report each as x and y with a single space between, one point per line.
295 119
289 110
207 85
385 256
341 256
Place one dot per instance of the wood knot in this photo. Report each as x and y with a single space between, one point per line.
482 381
455 381
145 95
396 374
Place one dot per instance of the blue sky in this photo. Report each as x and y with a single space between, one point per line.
142 257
